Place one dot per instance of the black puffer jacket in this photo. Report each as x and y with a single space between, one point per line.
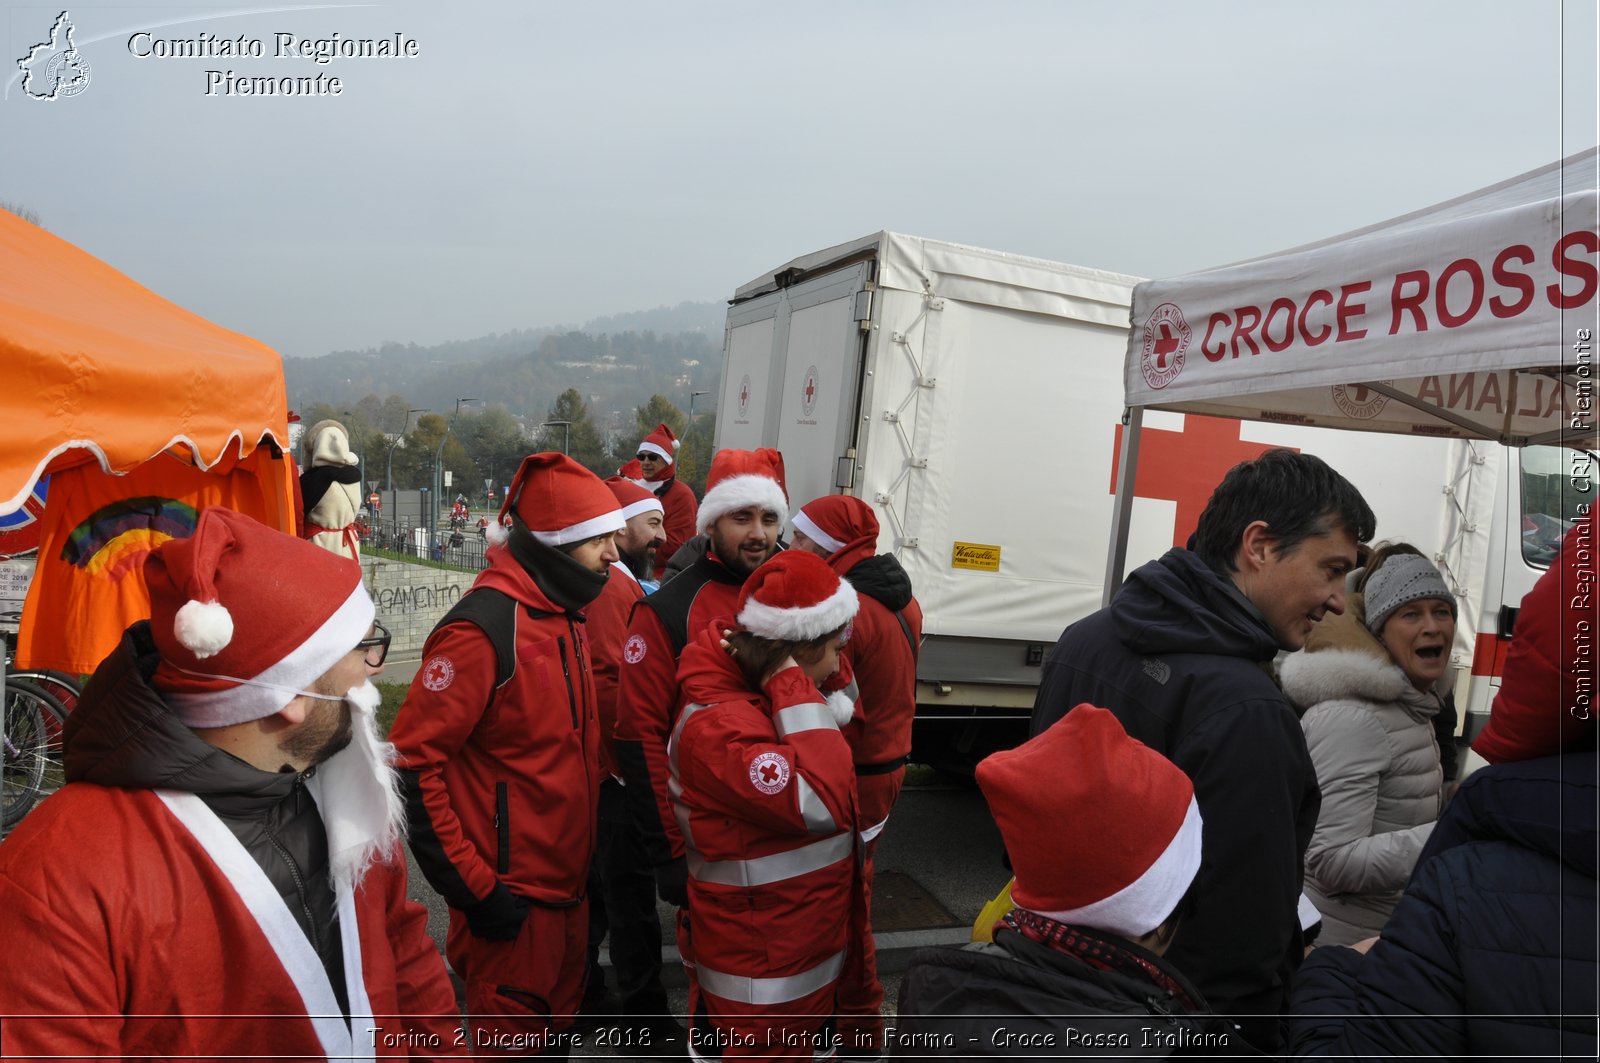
123 734
884 578
1181 658
1491 952
1016 999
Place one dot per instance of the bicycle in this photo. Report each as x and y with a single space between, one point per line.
66 689
31 747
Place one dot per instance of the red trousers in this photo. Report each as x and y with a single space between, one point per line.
522 995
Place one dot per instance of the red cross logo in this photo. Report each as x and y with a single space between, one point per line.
811 390
744 395
1185 467
1165 345
438 673
769 772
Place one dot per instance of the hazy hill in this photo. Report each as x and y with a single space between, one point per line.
615 362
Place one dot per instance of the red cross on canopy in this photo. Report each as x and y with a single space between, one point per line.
1185 467
1165 345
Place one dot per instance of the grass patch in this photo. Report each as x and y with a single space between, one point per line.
393 695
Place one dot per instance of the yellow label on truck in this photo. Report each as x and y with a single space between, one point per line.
980 557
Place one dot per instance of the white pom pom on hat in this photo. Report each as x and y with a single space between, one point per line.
205 628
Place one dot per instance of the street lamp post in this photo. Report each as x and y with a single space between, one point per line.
692 396
438 472
394 506
566 435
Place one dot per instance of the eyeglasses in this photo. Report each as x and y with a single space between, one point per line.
376 645
647 456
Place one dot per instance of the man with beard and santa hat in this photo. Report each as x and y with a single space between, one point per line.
498 739
658 469
221 876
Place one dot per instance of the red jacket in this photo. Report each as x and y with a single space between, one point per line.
765 783
136 917
679 509
880 653
647 694
607 622
509 776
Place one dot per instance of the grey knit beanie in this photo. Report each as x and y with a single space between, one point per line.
1402 579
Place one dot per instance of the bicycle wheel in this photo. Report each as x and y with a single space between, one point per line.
59 685
30 771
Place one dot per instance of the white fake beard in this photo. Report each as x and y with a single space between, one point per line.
362 806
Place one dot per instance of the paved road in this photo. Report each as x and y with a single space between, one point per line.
940 856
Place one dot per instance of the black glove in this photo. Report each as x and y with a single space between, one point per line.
672 882
499 916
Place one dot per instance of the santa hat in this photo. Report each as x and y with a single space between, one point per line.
632 470
633 499
329 444
1103 832
835 521
245 616
559 501
662 442
741 478
795 597
1546 702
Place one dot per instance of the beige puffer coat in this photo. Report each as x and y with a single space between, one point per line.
1370 733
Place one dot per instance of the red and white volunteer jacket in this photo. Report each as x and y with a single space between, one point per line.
508 776
137 926
607 622
647 692
884 664
764 792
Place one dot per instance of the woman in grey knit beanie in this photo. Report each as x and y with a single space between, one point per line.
1365 682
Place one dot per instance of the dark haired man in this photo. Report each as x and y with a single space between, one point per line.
741 515
498 740
1182 657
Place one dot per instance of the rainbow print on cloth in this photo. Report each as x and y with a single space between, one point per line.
118 537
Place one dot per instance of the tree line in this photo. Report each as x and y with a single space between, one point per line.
484 442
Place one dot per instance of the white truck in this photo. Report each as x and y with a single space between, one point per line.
974 398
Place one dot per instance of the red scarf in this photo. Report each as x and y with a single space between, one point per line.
1101 953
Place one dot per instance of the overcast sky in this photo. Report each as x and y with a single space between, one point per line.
542 162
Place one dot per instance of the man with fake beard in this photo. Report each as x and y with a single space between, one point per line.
221 876
498 739
742 514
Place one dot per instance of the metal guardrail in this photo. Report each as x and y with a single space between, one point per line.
462 547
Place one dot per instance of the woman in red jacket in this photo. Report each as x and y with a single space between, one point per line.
764 787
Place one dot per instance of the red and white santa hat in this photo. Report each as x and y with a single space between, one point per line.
1103 832
245 617
835 521
559 501
632 470
741 478
663 442
633 499
795 597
